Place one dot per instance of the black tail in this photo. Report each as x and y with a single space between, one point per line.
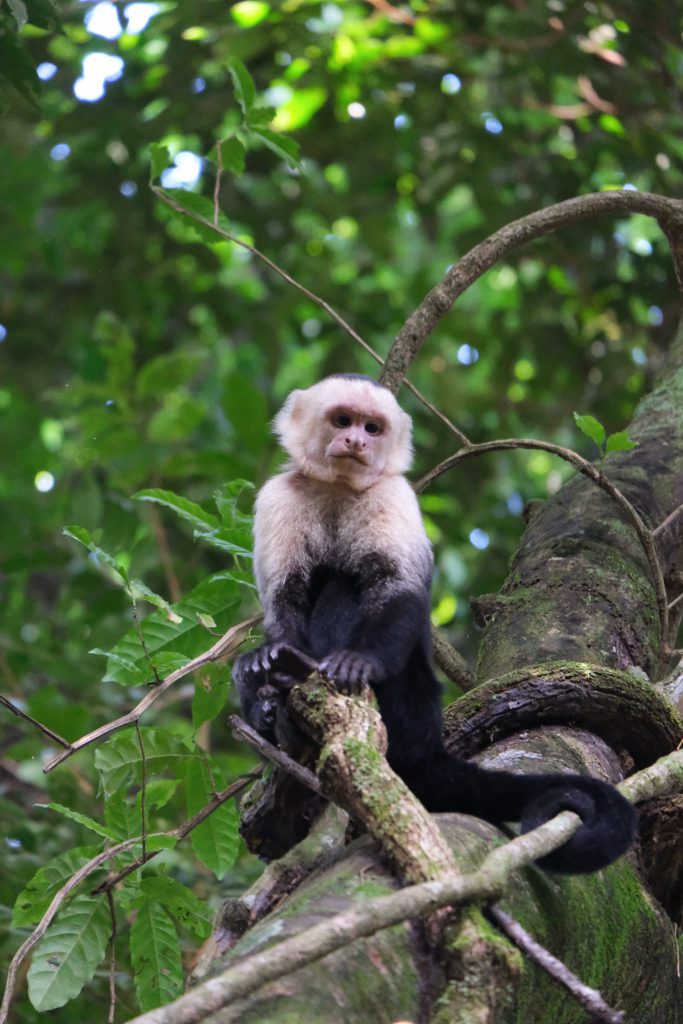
445 783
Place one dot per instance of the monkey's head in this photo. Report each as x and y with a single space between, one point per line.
347 428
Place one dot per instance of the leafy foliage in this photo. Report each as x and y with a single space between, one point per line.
69 954
142 356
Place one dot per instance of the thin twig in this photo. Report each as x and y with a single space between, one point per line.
588 997
452 663
55 737
274 754
439 301
222 648
581 465
165 556
666 522
183 830
315 299
141 637
112 960
143 789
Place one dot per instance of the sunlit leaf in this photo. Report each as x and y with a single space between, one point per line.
248 13
299 110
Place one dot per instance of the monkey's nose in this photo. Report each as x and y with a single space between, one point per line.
354 441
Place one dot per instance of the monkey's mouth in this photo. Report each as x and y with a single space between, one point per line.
351 456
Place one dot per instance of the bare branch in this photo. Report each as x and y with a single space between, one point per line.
274 754
315 299
224 647
588 997
452 663
439 301
581 465
54 736
667 522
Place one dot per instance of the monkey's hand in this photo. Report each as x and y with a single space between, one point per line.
350 670
281 664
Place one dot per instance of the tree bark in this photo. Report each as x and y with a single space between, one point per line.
571 647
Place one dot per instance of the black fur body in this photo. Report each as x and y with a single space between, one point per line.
344 570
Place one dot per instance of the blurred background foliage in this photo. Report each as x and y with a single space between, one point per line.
135 353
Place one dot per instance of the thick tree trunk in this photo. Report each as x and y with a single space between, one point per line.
571 652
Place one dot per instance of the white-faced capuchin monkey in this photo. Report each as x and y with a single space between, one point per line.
343 568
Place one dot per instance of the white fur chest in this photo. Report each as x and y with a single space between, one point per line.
301 523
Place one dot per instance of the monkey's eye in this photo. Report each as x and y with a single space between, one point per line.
373 428
341 420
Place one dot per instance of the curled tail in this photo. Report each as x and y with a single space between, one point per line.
446 783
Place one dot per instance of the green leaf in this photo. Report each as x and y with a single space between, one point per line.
260 117
84 537
591 427
122 816
233 155
181 902
15 65
210 695
159 791
248 13
287 149
155 955
245 90
19 12
44 14
218 599
188 510
119 761
216 840
161 842
221 539
620 442
82 819
33 901
160 159
300 108
69 953
128 671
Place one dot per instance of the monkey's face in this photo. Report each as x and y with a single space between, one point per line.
354 439
352 431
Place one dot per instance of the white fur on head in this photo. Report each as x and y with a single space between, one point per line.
303 421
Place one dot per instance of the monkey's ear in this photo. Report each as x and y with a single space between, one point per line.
401 457
288 416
